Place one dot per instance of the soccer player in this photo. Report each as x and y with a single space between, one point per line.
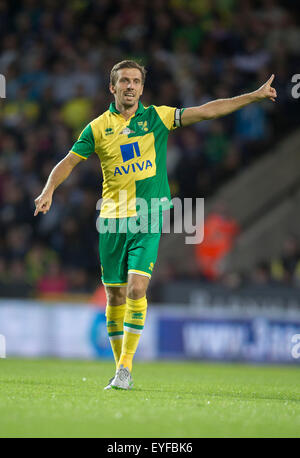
131 142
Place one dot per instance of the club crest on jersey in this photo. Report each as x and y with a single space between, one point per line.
143 125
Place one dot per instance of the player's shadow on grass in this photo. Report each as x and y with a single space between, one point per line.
223 394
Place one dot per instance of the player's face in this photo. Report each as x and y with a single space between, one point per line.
128 88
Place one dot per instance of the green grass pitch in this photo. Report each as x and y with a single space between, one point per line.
57 398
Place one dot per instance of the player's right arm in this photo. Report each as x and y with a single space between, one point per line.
81 150
59 174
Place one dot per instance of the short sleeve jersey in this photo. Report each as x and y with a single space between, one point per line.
133 156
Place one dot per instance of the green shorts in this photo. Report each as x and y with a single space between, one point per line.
128 245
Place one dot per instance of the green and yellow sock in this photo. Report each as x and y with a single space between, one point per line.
114 324
134 321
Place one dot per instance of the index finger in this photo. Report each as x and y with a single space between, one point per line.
37 210
270 80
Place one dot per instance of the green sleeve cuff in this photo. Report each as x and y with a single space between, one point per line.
83 157
85 145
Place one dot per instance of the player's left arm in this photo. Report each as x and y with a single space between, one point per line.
222 107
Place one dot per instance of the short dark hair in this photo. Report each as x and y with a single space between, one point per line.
126 64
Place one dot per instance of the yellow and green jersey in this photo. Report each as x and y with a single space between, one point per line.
133 156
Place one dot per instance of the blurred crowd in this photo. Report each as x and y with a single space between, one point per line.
57 57
281 270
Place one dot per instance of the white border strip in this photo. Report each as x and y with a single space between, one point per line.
139 273
133 330
120 336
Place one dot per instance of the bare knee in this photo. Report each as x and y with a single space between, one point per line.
137 286
115 295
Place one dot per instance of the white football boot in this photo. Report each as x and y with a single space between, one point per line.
122 380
